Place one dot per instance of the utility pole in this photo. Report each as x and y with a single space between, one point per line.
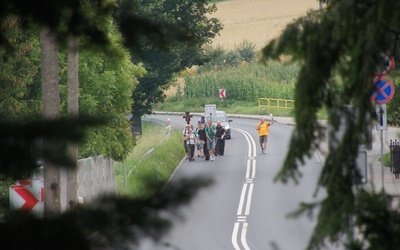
51 111
73 108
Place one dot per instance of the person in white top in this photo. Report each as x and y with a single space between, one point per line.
185 132
191 141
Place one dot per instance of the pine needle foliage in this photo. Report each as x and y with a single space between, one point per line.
112 222
346 38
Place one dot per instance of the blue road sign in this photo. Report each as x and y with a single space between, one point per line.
383 91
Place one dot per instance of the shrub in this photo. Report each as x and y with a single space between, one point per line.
246 51
220 58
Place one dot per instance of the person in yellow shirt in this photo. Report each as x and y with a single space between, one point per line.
262 129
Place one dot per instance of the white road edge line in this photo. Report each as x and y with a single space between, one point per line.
250 171
234 236
254 170
249 196
242 197
243 238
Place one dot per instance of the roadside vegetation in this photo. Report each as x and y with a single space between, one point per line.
243 77
151 163
245 80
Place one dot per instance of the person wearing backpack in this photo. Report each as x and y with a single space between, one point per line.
185 132
203 142
210 133
191 141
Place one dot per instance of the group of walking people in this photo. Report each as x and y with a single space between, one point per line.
207 138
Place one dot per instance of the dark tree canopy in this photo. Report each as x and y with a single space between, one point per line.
109 222
64 16
178 32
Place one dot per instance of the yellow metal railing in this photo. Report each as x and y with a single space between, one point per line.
275 103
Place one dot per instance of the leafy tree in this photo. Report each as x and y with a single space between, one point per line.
112 221
346 39
107 78
19 69
82 18
163 57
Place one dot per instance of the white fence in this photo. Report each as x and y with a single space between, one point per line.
96 176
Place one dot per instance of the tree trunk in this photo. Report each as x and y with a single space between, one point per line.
51 110
73 107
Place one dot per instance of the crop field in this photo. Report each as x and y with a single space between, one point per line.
257 21
244 83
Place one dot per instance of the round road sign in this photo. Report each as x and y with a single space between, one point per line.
386 65
383 91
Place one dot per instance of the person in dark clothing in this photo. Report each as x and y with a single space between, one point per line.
202 119
219 135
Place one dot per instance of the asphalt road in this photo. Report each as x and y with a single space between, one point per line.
245 208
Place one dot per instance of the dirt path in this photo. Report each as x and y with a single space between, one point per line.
257 21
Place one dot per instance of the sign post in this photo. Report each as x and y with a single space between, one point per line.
382 117
210 109
381 95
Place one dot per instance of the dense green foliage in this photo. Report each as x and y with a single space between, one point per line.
393 106
192 18
107 81
106 77
19 71
83 18
346 39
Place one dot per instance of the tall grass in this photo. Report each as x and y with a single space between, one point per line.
245 83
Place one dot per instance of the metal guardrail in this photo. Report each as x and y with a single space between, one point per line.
150 151
395 158
159 122
275 103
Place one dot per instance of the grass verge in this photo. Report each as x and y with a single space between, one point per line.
151 163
